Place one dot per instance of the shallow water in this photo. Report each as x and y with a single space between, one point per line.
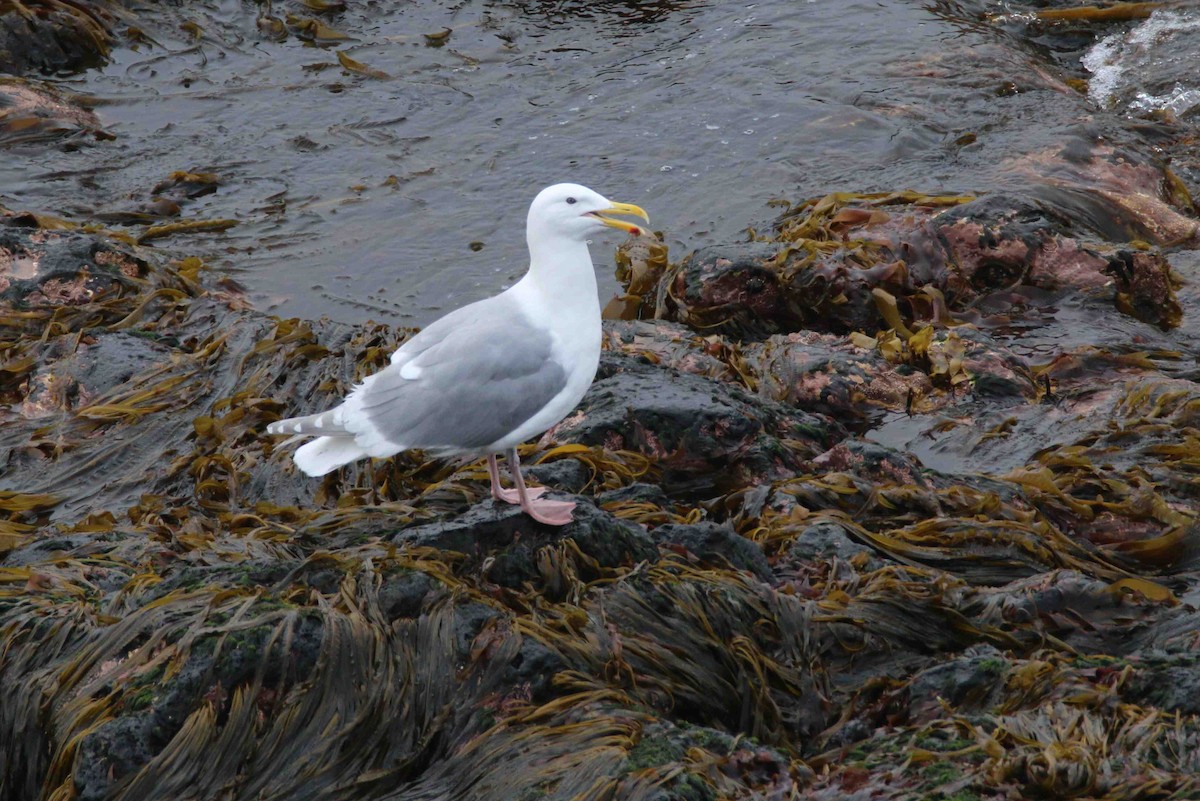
702 112
1149 66
398 198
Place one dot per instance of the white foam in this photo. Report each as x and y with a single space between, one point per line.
1161 25
1116 60
1179 100
1103 61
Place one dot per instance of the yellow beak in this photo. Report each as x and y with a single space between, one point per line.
622 208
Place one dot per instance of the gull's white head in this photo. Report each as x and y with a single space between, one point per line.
575 212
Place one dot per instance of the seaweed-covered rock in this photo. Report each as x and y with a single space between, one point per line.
738 284
989 590
973 681
48 37
40 268
32 111
853 379
828 539
706 437
568 475
847 263
713 542
512 541
1170 682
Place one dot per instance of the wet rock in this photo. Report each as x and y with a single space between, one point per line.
65 379
672 345
38 112
993 370
46 549
714 543
872 462
661 743
510 540
635 493
1121 193
830 374
852 379
973 681
827 539
706 437
248 575
833 266
406 592
1076 609
41 267
47 37
113 752
1146 288
567 475
732 288
1168 682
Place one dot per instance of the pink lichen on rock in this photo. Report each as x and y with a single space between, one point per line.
121 261
60 292
1062 262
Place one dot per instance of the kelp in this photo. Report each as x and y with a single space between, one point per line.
36 112
357 67
184 226
1093 216
949 550
1117 12
314 30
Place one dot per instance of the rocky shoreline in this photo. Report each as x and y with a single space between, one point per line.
897 500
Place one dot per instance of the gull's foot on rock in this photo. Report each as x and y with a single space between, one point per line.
552 513
514 496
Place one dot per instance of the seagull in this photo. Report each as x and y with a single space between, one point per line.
492 374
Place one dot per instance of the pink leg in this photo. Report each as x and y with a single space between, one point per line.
552 513
507 495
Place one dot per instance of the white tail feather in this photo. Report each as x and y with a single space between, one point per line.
327 453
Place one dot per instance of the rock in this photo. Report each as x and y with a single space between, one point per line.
707 438
851 379
826 539
35 111
673 345
733 288
971 682
61 268
47 37
714 543
832 375
406 592
1166 681
1146 288
635 493
872 462
568 475
837 266
511 541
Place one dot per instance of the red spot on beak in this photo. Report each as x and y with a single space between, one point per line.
635 231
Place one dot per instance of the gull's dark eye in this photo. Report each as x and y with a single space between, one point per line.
571 201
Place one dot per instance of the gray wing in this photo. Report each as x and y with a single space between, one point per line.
483 371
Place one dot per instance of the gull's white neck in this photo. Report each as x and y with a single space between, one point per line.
562 276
